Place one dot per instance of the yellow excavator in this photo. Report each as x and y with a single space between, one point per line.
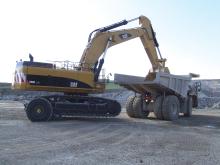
76 81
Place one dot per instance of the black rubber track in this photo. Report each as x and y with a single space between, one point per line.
84 106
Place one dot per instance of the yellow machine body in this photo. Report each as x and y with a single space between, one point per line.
38 76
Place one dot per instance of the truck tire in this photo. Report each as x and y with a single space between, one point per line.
138 108
194 101
188 107
171 108
129 106
158 108
39 109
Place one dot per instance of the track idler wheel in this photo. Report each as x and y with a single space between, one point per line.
114 108
39 110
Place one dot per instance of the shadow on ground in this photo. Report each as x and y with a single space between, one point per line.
209 121
203 120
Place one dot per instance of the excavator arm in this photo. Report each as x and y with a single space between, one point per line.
104 39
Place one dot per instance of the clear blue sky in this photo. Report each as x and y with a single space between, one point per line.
187 31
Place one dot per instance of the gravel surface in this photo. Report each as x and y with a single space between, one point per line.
120 140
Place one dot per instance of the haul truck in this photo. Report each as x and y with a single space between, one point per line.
77 81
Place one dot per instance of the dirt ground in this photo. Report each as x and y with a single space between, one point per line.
120 140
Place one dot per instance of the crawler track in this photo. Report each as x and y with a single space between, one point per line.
45 108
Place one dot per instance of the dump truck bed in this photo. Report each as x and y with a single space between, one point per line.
162 82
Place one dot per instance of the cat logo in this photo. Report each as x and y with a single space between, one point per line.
124 36
73 84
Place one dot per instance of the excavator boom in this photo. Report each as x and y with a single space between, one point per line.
97 45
